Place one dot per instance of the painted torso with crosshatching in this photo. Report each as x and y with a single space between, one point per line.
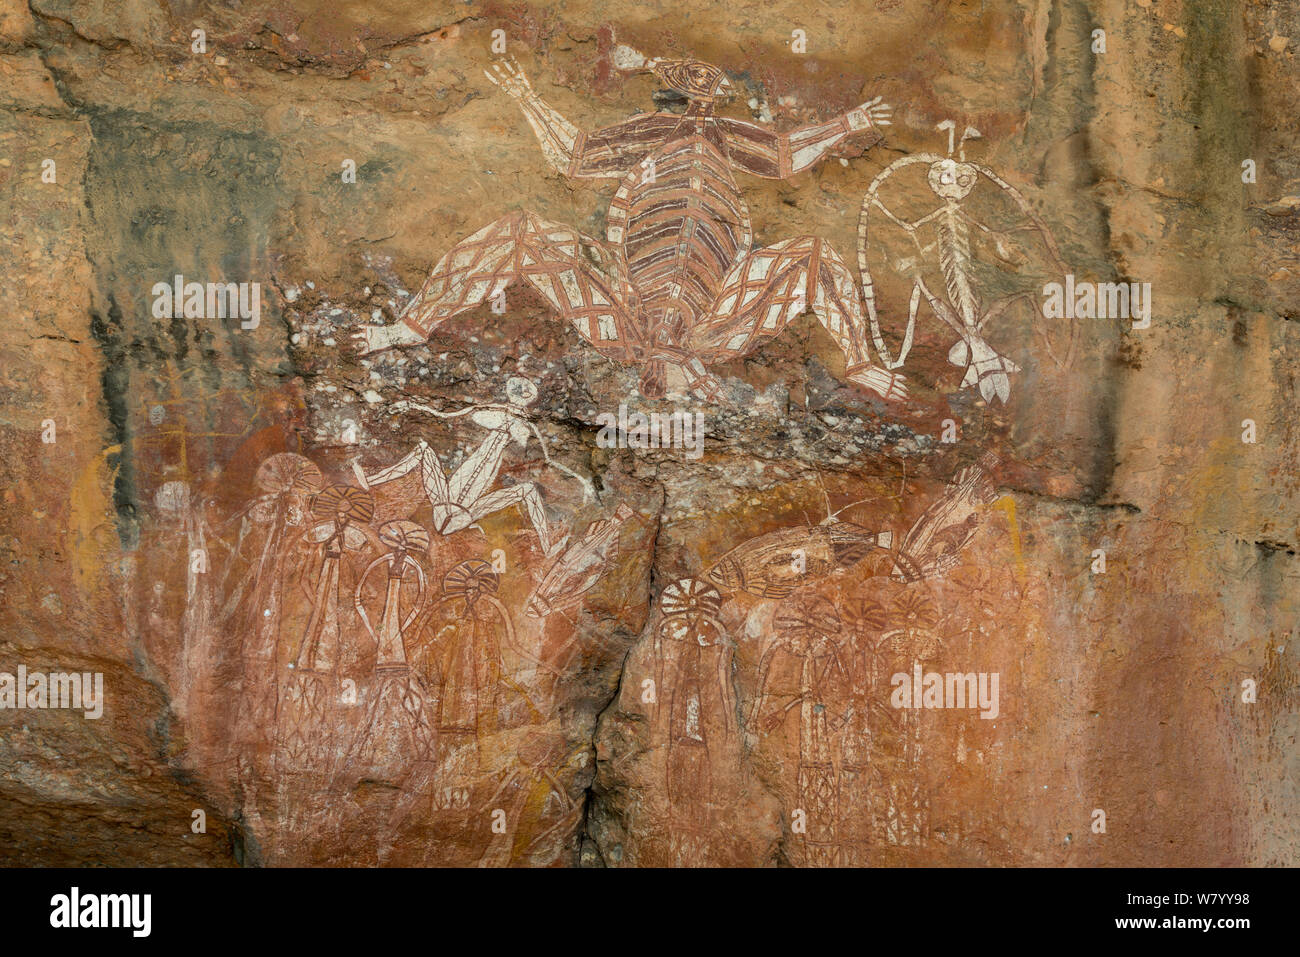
678 218
682 224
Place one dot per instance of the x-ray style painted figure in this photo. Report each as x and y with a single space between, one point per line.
458 720
934 543
774 564
696 704
576 571
538 809
958 303
306 717
457 658
808 628
907 808
255 602
862 779
463 664
676 284
398 727
467 495
183 516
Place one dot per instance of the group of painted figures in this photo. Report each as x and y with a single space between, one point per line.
677 285
817 675
377 655
372 651
361 663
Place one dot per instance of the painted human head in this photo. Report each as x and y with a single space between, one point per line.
952 180
694 79
520 391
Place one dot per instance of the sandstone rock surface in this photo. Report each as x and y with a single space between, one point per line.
410 608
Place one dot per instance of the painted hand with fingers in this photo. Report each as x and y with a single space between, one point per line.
508 75
870 114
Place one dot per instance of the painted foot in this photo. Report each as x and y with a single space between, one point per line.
890 386
368 339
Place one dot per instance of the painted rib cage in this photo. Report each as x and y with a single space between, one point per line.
684 231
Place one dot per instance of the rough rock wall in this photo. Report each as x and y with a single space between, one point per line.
465 629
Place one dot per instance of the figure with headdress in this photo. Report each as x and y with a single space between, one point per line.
460 659
808 629
398 726
695 702
305 717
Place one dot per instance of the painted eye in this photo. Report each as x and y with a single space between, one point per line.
964 181
946 177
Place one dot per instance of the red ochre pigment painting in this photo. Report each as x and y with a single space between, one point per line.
654 435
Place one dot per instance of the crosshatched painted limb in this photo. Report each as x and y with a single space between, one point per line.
606 153
584 281
772 155
772 286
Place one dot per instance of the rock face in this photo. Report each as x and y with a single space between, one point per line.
591 435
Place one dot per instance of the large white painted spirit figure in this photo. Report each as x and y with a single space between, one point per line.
676 284
954 294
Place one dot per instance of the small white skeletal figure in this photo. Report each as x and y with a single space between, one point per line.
958 304
459 500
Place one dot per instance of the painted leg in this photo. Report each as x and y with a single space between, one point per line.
448 517
770 287
699 381
582 278
423 458
984 366
527 496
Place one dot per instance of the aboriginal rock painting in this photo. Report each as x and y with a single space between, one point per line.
912 245
772 674
676 284
404 612
397 635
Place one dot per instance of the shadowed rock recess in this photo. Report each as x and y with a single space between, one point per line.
492 433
